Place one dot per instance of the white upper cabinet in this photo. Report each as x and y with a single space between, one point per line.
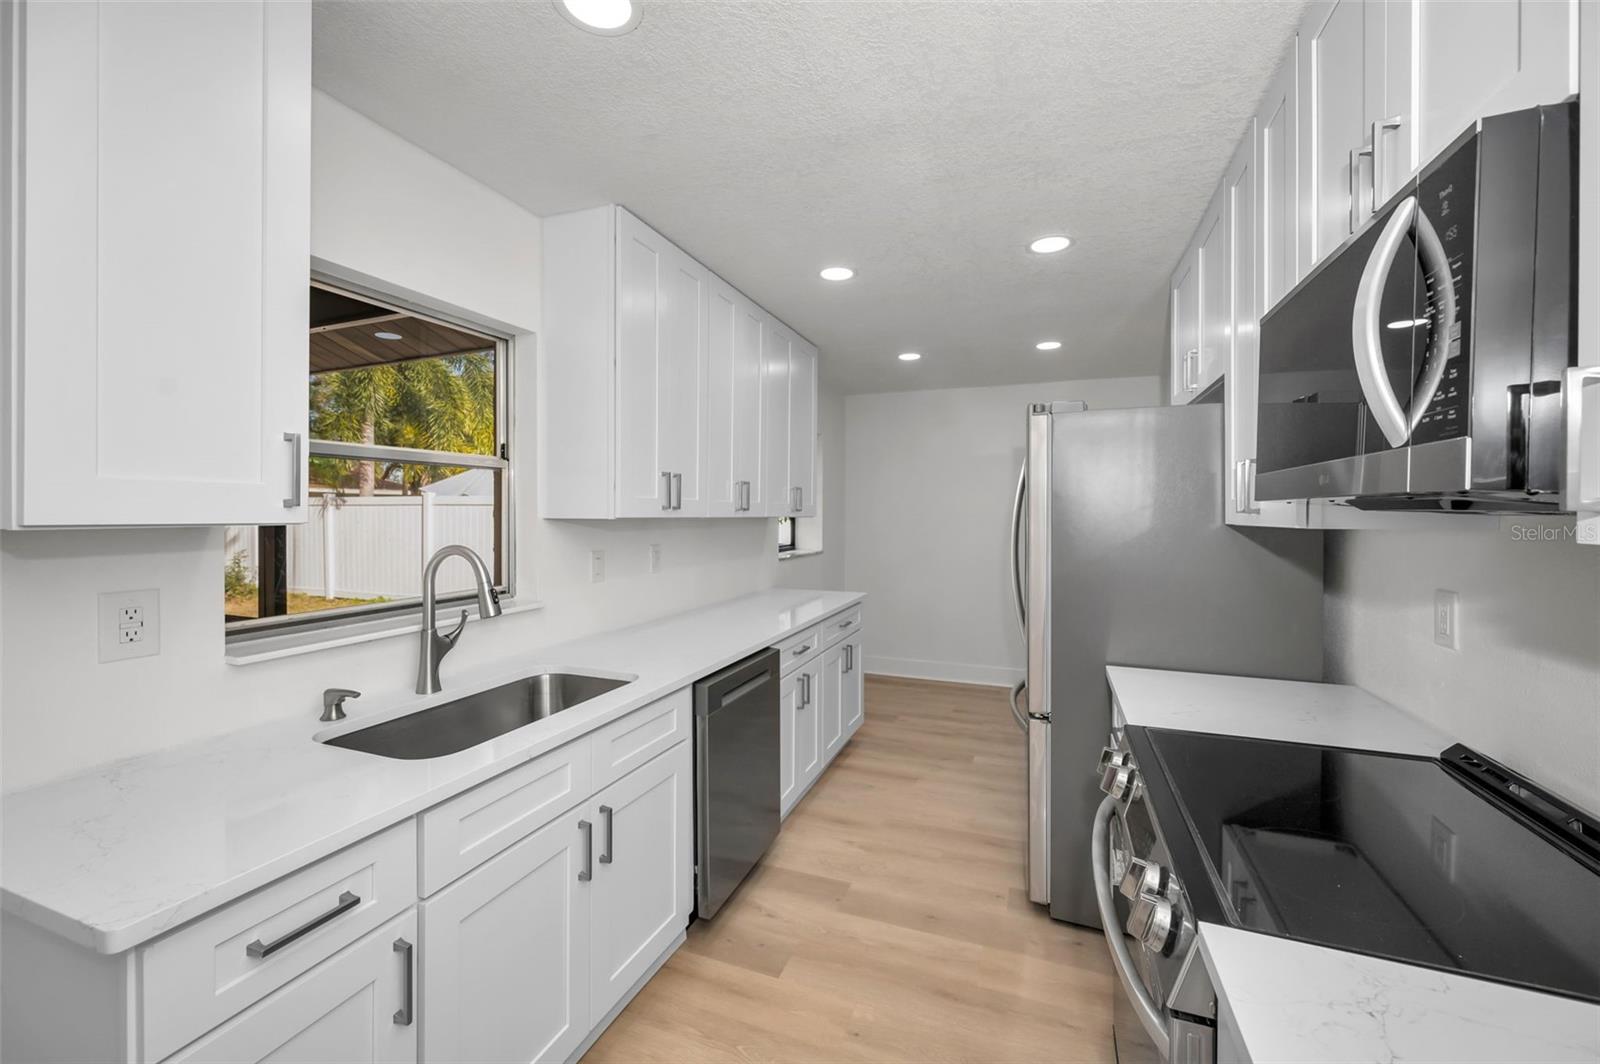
733 401
1334 92
1216 323
661 358
158 172
1483 57
1184 327
802 482
1278 207
663 392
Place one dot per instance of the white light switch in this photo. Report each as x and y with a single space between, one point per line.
655 557
130 624
1446 619
597 566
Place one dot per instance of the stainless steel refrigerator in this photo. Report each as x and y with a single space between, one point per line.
1120 557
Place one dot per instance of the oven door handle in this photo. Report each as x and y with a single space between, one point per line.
1364 326
1150 1016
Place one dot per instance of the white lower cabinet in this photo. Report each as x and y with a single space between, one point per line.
505 969
831 713
819 708
643 874
855 708
358 1006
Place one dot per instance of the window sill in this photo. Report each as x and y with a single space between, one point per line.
291 644
784 556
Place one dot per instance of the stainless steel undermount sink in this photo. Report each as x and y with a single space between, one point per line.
476 718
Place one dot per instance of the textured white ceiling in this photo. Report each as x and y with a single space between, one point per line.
924 144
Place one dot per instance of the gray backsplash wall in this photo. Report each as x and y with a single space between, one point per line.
1524 687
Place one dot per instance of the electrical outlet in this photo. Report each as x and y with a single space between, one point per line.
1447 619
129 624
655 557
1442 848
597 566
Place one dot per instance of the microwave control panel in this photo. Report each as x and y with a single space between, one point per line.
1446 195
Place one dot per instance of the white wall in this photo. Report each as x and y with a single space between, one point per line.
928 491
1525 686
387 212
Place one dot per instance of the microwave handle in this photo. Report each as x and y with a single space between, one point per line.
1581 430
1435 263
1364 326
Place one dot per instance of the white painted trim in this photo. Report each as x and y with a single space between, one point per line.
290 644
948 671
785 555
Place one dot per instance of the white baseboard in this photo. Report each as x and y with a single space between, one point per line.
948 671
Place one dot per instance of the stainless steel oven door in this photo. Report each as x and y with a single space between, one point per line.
1138 1020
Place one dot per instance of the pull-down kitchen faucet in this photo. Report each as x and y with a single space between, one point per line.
434 645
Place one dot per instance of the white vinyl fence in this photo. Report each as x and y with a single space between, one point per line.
375 547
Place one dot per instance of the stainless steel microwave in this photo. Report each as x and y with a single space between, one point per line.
1421 365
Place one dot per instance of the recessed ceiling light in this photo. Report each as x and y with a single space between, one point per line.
837 273
388 336
609 17
1049 245
909 356
1048 345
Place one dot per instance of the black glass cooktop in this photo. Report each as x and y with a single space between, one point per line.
1387 855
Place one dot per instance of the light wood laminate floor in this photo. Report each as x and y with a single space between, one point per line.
889 920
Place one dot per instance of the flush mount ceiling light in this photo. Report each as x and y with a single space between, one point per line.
1048 345
388 336
909 356
837 273
610 18
1049 245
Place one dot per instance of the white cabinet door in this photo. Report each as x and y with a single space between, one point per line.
1483 57
803 427
358 1007
1333 130
1278 212
831 701
643 478
854 700
1184 342
788 716
776 341
505 958
681 400
1216 324
161 241
733 406
643 883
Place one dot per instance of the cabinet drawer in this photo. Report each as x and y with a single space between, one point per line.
215 967
459 835
628 742
799 649
840 625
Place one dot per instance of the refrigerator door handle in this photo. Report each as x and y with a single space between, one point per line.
1017 507
1017 712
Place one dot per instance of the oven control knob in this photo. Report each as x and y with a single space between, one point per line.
1142 877
1121 782
1152 921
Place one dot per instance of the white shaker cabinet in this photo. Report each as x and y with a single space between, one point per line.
661 356
505 972
776 343
734 473
800 732
831 699
642 874
1183 344
854 711
802 481
360 1007
1484 57
158 206
1199 308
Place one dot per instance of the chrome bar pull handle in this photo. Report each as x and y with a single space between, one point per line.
1356 155
296 444
605 854
666 490
1379 128
347 900
586 873
408 996
677 491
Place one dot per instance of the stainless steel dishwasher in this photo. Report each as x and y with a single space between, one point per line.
735 775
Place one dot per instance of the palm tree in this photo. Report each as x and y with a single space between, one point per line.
438 404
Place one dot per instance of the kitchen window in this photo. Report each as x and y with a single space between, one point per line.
786 530
408 453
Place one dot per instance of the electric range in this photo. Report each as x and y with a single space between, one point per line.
1455 863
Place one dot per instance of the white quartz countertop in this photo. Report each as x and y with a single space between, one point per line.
116 856
1298 1002
1288 711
